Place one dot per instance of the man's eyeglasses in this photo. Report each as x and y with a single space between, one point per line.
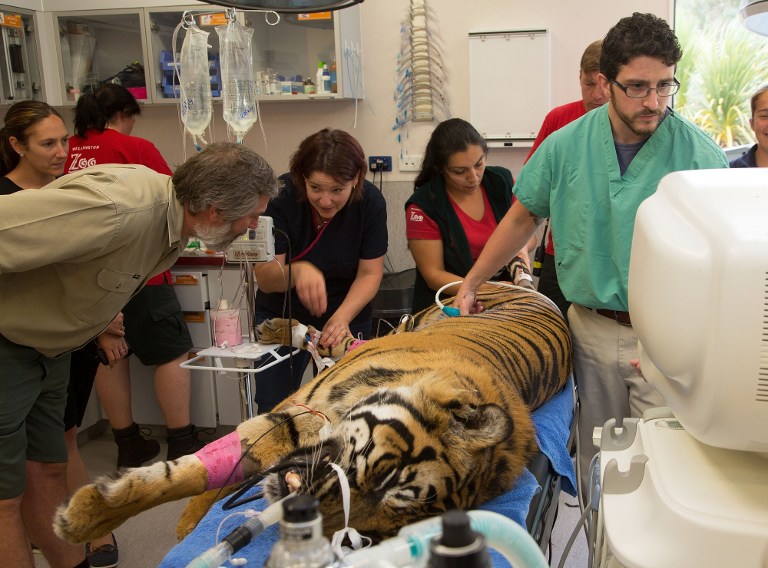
638 92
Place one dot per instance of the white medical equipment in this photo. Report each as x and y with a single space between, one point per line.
688 485
255 245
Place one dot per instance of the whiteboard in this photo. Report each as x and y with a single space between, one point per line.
509 85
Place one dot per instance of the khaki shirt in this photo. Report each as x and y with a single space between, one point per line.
73 253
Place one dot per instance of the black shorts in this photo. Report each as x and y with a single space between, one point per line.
154 325
82 372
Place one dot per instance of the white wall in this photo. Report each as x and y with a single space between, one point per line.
572 26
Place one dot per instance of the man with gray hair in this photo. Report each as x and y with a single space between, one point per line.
71 256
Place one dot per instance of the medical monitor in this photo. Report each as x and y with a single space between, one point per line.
698 296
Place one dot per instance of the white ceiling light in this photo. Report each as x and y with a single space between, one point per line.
755 15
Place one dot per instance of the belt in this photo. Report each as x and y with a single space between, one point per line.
620 317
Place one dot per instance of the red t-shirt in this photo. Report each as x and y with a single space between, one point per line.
555 120
113 147
419 226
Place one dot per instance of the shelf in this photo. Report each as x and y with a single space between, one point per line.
250 352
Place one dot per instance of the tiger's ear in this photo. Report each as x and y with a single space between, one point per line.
481 426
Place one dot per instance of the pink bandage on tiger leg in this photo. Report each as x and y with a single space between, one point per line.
221 459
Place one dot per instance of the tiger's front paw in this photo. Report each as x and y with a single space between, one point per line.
85 517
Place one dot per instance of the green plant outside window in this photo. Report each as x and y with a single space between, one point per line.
723 65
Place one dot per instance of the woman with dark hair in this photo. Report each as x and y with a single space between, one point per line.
331 227
104 121
457 202
33 146
155 329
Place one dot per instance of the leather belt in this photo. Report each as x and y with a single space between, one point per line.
620 317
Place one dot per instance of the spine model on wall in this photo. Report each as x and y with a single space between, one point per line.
420 92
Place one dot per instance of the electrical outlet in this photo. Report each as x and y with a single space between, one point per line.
380 163
411 163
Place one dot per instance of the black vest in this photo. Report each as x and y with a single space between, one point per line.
433 200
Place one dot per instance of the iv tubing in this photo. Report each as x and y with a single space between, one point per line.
238 538
411 545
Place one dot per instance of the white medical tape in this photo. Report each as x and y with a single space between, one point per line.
338 537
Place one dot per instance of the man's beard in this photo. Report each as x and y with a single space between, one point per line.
216 238
630 121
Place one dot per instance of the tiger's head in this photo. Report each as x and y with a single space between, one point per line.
413 452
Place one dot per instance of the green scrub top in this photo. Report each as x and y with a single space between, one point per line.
574 179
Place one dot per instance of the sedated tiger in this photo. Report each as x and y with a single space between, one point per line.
421 421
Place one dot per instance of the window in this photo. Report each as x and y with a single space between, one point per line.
723 65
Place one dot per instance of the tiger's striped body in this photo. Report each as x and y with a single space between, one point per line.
421 421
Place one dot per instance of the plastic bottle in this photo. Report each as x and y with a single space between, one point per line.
301 544
326 79
334 85
319 78
309 87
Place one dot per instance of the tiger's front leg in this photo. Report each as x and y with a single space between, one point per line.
97 509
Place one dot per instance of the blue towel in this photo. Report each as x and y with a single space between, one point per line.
552 421
553 428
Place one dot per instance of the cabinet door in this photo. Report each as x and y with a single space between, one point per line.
286 53
100 46
163 24
292 49
19 57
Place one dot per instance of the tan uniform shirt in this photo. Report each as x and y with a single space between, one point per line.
73 253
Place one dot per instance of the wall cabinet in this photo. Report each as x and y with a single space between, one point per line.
20 77
136 48
100 46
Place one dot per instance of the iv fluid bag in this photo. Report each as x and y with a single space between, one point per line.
238 88
195 82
